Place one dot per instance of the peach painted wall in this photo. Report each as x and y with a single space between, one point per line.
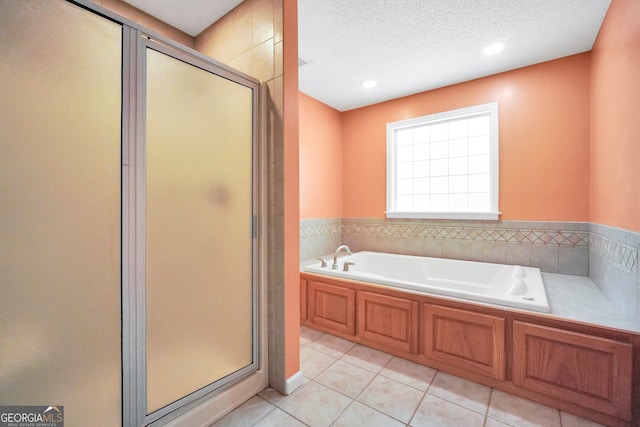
321 155
291 188
615 116
544 140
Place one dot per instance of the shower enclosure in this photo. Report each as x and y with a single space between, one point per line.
130 211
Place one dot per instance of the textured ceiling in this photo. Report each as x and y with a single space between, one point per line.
409 46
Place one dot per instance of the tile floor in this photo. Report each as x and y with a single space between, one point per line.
350 385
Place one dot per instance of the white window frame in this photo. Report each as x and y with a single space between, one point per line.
493 212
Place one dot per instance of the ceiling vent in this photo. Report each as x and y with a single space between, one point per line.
302 62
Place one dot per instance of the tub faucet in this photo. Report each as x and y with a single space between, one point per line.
335 255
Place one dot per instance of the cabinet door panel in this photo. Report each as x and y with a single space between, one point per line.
303 299
332 307
389 321
589 371
466 340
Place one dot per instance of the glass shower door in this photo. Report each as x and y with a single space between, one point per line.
199 233
60 218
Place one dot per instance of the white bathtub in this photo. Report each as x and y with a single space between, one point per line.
508 285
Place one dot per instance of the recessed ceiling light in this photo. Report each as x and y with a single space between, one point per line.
369 83
493 48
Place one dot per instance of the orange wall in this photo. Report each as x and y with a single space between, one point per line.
615 116
291 188
321 155
544 140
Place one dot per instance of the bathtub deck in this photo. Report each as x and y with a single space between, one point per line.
574 298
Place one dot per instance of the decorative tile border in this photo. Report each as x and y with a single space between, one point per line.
617 252
481 232
311 228
601 239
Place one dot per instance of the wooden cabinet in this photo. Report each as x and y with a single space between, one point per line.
464 339
582 369
303 299
332 307
589 371
389 321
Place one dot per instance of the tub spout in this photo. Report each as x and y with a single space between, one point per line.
335 255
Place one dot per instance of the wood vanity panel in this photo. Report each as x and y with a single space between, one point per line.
590 371
467 340
303 299
467 315
388 320
332 307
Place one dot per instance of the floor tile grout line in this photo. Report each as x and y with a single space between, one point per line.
379 374
274 407
424 396
486 413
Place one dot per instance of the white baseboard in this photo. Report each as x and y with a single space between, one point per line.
293 383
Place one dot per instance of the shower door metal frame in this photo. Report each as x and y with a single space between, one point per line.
144 43
251 379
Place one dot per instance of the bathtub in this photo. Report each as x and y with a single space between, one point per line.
506 285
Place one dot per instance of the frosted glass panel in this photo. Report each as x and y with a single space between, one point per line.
198 233
60 86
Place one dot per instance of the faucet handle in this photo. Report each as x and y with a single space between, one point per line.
346 265
324 263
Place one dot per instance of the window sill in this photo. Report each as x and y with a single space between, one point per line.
445 215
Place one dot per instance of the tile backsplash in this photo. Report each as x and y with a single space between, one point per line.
609 256
613 265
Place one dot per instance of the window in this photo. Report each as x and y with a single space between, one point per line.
444 165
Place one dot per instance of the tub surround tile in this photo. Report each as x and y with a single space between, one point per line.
436 412
415 246
574 261
471 250
518 254
399 245
488 241
384 243
494 252
608 255
402 407
358 414
579 298
452 249
618 283
520 412
545 258
462 392
535 225
433 248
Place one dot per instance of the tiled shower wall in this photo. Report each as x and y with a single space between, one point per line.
608 255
